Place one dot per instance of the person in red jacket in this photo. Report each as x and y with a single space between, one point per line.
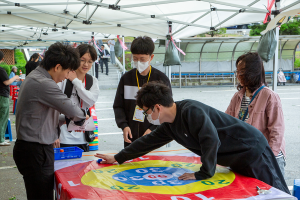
262 110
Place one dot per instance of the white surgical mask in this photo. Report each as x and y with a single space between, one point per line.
140 66
154 122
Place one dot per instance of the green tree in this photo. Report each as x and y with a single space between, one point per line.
20 63
256 29
292 27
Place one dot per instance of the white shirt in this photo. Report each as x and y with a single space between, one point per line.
112 45
88 98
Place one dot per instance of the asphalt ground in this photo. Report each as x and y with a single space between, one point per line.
110 136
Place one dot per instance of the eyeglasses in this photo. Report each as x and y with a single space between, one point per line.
87 62
145 112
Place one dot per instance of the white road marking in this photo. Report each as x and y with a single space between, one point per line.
106 119
8 167
115 133
220 91
293 93
104 109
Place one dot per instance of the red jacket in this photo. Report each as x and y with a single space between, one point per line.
265 114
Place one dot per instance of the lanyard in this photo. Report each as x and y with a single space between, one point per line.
137 79
246 113
84 87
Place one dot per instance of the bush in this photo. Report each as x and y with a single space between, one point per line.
20 63
297 63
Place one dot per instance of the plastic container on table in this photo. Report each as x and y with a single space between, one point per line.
69 153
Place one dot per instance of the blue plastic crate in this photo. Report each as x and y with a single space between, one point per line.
69 153
297 188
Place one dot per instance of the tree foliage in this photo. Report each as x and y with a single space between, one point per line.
292 27
20 63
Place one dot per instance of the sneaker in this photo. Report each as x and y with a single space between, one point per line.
4 144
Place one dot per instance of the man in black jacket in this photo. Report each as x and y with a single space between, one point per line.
215 136
128 116
104 55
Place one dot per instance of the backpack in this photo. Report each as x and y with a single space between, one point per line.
89 135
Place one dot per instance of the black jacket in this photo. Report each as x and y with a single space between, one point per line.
214 135
30 66
124 107
102 53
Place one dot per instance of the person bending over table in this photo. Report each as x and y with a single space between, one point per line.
37 119
214 135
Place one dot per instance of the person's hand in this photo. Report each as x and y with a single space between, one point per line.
187 176
147 132
56 144
126 132
72 75
87 117
101 56
17 77
107 159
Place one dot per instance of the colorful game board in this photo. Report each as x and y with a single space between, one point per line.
153 178
94 145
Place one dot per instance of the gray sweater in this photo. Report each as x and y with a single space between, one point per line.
39 103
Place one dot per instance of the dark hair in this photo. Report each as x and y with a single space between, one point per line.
86 48
1 55
142 45
63 54
102 45
154 92
34 57
252 72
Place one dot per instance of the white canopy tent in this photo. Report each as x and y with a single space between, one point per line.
136 17
131 17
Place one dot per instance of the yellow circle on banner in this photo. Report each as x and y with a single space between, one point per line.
107 177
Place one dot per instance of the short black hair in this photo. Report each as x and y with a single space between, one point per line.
1 55
154 92
63 54
102 45
86 48
142 45
252 72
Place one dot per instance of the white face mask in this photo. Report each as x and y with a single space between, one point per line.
154 122
140 66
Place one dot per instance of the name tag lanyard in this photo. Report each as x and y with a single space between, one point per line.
137 79
246 112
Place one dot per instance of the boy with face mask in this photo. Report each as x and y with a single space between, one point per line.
128 116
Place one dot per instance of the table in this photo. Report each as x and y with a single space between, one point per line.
153 177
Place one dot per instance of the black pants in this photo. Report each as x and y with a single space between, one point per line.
96 69
36 163
84 147
266 169
105 61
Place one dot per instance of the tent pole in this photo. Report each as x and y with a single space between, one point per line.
123 55
179 76
275 63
